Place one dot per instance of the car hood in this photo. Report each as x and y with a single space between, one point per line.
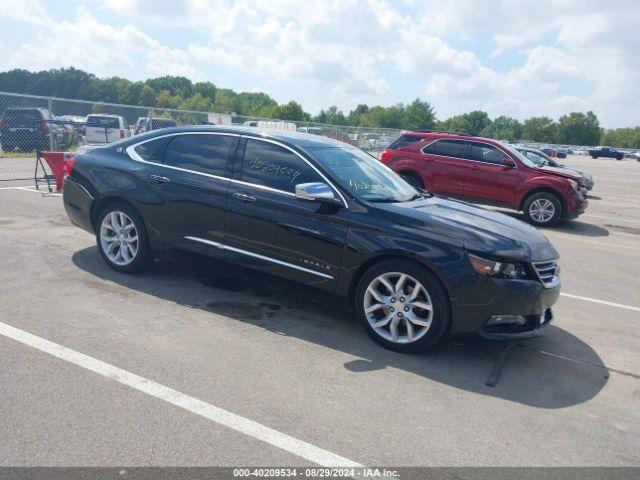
482 231
561 172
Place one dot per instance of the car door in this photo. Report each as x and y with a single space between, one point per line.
487 178
189 172
270 229
444 166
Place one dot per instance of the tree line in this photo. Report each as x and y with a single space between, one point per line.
575 128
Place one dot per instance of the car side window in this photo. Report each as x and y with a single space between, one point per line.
447 148
273 166
200 153
153 150
483 152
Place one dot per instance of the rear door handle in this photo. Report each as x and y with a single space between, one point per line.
159 179
243 197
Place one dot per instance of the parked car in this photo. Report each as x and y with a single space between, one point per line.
606 152
549 151
311 130
154 123
372 141
138 126
485 171
27 128
636 155
543 160
561 152
321 213
102 128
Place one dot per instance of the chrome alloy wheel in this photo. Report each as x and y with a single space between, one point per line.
119 238
542 210
398 307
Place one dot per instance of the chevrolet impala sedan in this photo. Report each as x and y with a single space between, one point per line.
316 211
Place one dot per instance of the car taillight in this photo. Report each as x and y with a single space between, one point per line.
45 127
121 133
83 131
386 155
69 162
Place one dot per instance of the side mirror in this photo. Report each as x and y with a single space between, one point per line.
507 162
315 192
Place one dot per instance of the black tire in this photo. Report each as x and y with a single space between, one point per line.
413 179
619 157
594 156
143 259
439 299
541 196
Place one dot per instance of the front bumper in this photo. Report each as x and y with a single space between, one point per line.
476 303
576 205
530 329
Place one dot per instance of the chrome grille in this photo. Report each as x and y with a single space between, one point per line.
547 273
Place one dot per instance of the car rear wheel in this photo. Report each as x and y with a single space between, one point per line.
542 209
122 239
402 306
412 179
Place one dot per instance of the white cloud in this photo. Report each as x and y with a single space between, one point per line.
511 57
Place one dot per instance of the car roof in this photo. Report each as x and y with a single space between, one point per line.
108 115
437 135
299 139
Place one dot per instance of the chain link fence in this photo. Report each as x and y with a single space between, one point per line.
30 124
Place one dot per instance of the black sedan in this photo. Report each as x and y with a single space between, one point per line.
322 213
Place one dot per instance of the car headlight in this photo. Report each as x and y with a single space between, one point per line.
494 268
573 184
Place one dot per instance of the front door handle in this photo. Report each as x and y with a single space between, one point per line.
244 197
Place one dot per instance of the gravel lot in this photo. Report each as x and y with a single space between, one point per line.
568 398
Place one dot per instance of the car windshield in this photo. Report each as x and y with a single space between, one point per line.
363 175
108 122
521 156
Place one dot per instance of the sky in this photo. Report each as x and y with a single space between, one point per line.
507 57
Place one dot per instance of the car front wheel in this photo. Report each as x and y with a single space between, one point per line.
402 306
122 239
542 209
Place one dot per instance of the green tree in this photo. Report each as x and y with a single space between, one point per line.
540 129
419 114
292 111
197 103
504 128
354 115
621 137
472 122
579 129
332 116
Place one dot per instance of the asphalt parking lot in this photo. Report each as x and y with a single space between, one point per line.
307 372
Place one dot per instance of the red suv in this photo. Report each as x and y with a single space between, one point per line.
486 171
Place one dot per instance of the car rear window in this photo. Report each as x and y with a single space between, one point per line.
157 123
405 140
153 150
104 122
22 118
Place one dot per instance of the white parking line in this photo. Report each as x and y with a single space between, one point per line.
603 302
210 412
